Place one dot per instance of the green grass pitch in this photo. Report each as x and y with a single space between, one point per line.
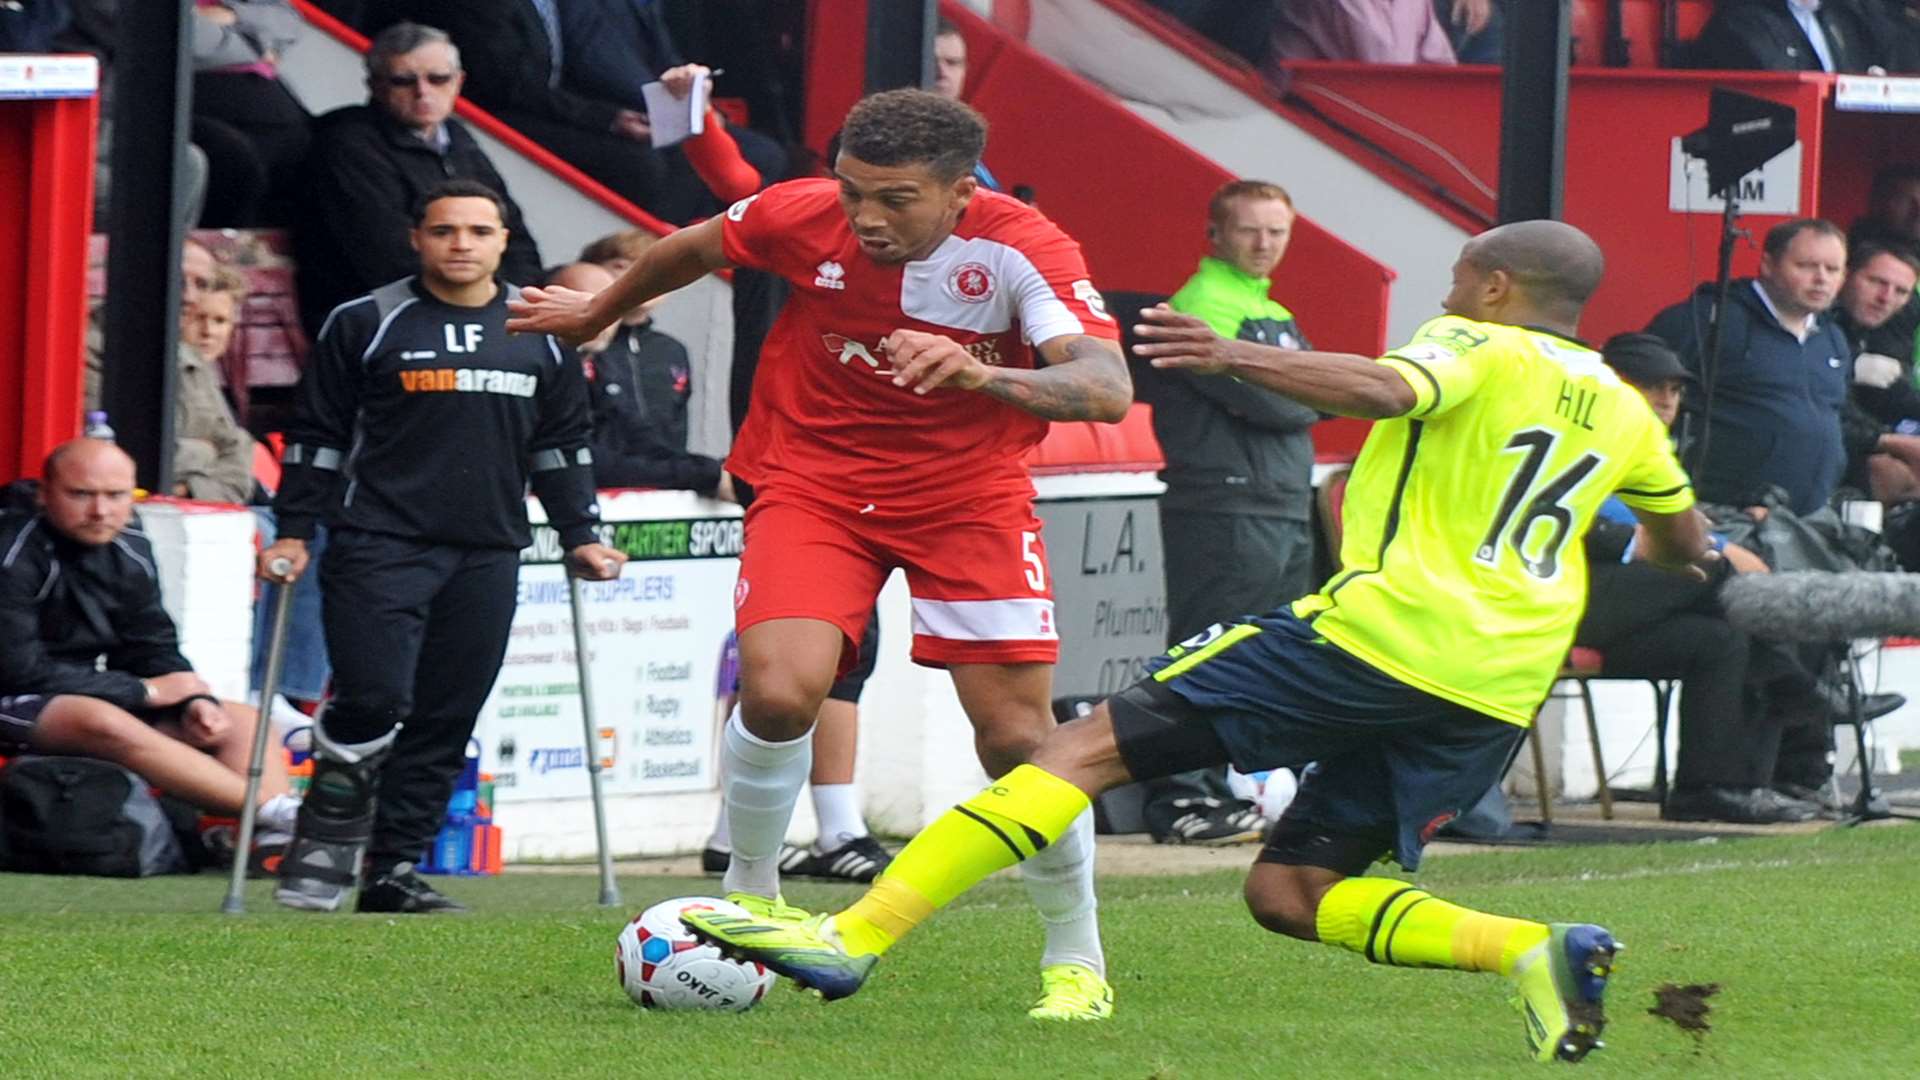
1813 938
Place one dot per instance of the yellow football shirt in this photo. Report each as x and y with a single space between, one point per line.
1463 571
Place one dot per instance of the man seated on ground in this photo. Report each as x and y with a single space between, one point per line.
1648 622
1769 411
639 380
77 584
370 164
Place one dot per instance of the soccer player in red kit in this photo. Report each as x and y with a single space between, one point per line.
933 331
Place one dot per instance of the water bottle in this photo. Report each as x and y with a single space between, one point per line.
97 426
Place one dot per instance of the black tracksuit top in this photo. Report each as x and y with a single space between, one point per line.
64 604
420 419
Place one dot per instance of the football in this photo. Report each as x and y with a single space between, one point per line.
662 966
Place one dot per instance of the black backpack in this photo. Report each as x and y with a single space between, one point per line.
70 815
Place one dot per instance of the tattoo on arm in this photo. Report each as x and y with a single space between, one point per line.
1086 379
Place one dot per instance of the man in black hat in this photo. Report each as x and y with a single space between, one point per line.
1647 623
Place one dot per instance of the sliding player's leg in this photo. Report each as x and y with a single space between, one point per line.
1385 801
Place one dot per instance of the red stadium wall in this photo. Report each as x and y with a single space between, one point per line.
1619 126
1134 197
46 211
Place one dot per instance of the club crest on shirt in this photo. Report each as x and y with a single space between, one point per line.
971 283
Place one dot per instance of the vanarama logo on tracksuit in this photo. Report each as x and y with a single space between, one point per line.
469 381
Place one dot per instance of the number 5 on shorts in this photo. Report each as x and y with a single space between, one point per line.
1036 566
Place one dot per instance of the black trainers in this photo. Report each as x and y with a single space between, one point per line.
793 860
1822 795
1207 821
1742 806
860 859
401 891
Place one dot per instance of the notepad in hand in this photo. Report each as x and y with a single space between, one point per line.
673 119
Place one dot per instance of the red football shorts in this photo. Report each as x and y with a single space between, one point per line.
982 593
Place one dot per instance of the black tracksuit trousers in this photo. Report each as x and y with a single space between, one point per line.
417 632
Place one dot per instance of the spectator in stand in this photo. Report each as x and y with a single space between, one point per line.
370 164
1883 415
1235 25
32 27
77 587
1898 29
213 455
1370 31
950 81
1474 28
1787 35
254 131
1234 521
638 382
1768 414
1893 207
1668 627
561 74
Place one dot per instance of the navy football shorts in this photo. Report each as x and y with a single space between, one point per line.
1390 764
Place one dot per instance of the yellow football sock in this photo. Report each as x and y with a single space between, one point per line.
1017 815
1391 922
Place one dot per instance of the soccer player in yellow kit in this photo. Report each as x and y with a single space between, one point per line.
1409 678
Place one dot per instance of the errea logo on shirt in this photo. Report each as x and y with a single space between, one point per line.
831 275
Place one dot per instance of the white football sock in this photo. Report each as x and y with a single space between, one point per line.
721 839
838 808
1060 881
763 782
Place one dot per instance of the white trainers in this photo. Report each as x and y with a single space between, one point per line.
277 814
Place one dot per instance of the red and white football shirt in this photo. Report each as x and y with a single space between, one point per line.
826 417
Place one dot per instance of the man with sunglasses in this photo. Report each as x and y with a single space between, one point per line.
371 163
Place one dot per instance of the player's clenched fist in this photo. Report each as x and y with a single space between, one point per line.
925 361
555 309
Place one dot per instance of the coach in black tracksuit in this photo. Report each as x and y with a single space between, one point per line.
421 423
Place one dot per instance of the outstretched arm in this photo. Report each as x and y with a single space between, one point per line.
1085 378
1341 383
679 259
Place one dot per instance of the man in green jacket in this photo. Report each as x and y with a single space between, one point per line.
1235 519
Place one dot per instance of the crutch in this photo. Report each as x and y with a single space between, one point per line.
234 904
609 892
